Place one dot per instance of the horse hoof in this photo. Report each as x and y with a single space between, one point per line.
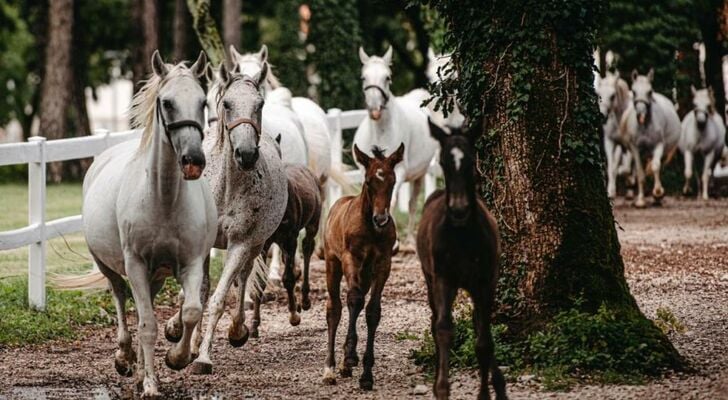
298 308
295 319
201 368
306 304
640 204
329 376
254 333
123 368
172 365
366 384
345 371
171 334
239 342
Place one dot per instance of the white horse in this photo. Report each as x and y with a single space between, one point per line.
650 123
614 99
703 132
394 120
147 216
440 68
250 189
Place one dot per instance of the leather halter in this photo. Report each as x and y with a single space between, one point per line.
382 91
173 126
211 120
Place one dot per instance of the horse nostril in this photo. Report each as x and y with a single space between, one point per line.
186 160
380 219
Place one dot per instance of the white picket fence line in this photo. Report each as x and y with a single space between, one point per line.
38 152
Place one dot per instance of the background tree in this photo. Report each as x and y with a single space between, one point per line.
58 76
231 22
206 30
540 166
147 25
179 29
709 17
336 35
287 51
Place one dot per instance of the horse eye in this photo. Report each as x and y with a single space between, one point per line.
167 104
226 105
611 98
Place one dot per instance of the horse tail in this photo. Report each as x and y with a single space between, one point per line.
92 280
338 176
670 155
257 278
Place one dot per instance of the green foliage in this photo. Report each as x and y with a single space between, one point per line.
66 312
336 35
16 47
668 322
606 346
287 49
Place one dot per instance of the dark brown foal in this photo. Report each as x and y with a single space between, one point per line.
458 246
358 244
303 211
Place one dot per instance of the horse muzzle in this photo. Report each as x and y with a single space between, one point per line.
246 159
380 220
192 166
375 114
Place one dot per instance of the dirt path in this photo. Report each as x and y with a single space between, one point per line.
676 257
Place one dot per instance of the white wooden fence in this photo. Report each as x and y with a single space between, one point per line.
37 152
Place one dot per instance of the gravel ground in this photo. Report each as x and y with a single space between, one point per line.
675 258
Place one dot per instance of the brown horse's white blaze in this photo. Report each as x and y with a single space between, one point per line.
458 246
358 245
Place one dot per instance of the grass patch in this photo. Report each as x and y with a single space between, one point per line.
603 347
668 322
66 311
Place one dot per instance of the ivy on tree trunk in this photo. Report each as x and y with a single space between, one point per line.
206 30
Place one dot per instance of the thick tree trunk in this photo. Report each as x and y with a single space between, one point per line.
710 27
58 76
231 21
179 27
145 18
206 30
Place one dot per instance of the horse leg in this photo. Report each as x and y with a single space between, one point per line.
238 332
355 304
204 293
609 149
640 202
309 244
658 192
289 279
237 258
484 350
125 357
257 299
333 314
274 272
443 296
415 190
179 356
707 169
373 316
174 326
688 173
142 292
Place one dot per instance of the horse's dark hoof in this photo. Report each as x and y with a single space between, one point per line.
329 376
201 368
172 365
123 368
298 308
239 342
254 334
294 319
366 384
306 304
171 335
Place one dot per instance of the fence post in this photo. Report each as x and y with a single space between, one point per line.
335 191
36 215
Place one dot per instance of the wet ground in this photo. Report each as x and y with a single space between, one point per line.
676 257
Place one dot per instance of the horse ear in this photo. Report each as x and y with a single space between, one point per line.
361 156
396 157
234 54
388 56
363 57
430 54
224 74
651 74
635 74
263 53
262 74
158 66
278 139
435 131
200 66
210 73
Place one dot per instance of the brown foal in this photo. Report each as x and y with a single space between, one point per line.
458 246
303 211
358 244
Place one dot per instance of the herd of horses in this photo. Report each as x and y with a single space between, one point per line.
642 121
251 178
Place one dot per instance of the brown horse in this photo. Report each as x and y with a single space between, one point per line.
358 243
458 246
303 211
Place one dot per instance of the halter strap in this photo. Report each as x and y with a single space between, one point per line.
173 126
240 121
211 120
382 91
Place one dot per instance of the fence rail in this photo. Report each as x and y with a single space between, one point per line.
38 151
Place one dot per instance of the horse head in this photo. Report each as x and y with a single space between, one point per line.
642 96
704 103
180 110
613 94
457 159
439 67
240 106
379 180
376 77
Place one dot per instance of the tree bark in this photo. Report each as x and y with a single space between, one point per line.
58 76
710 27
179 38
144 13
206 30
231 21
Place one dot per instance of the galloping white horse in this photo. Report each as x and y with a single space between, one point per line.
439 68
391 121
147 216
250 189
651 123
703 132
614 99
